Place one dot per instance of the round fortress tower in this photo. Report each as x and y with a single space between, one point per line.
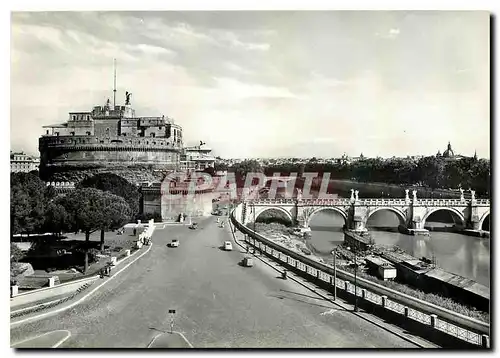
110 136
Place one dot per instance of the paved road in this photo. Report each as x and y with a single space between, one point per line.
218 303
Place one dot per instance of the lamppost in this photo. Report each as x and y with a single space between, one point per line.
355 281
334 253
253 209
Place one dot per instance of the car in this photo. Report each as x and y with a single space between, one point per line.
248 261
194 226
174 243
228 246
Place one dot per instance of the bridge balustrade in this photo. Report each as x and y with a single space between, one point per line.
441 202
483 202
368 202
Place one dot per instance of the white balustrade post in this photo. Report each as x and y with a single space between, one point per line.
14 290
52 281
485 341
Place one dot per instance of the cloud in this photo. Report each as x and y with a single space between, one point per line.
237 89
391 34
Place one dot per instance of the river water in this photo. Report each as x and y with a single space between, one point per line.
463 255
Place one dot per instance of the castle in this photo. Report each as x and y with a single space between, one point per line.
107 137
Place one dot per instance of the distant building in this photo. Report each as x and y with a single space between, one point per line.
197 158
21 162
449 154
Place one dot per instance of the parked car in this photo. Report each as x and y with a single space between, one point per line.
228 246
248 261
193 226
174 243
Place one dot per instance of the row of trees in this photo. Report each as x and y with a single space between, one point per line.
433 172
104 202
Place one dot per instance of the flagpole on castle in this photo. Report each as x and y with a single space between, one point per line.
114 83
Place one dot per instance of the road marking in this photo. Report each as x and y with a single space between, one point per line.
62 340
46 314
179 333
329 312
44 334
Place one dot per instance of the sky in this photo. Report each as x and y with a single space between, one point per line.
264 84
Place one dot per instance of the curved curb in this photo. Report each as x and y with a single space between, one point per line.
57 344
46 314
51 304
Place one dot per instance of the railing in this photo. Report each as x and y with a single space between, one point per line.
452 323
442 202
368 202
483 202
382 202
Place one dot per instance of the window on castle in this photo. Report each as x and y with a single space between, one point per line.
88 118
47 131
152 135
72 133
88 133
74 117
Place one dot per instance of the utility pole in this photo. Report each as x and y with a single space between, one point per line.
334 253
355 283
114 84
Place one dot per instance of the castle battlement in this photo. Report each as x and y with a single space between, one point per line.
109 136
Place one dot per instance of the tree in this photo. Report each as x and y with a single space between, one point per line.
27 203
56 217
117 214
91 209
116 185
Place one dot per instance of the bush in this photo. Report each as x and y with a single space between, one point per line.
15 253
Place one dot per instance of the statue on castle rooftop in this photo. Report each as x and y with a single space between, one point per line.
127 97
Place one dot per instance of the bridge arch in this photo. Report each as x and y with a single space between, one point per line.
401 215
333 208
259 211
481 221
453 210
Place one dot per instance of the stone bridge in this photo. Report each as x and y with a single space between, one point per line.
412 213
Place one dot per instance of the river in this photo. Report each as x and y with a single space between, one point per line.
463 255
